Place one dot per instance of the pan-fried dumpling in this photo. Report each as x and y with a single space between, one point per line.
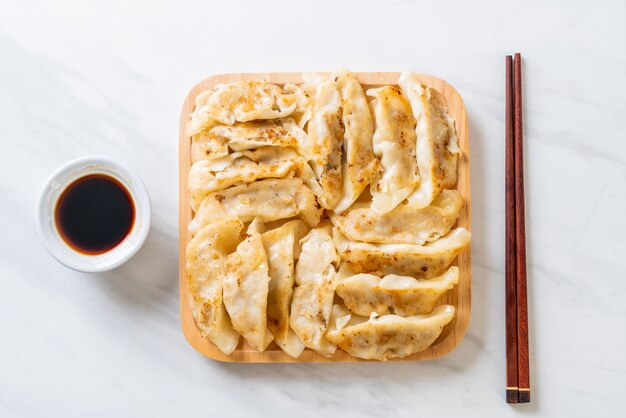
215 142
387 336
208 176
406 224
280 246
437 147
251 135
206 266
419 261
360 165
325 138
313 297
269 200
365 294
394 143
246 287
241 101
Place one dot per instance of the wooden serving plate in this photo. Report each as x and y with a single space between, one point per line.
460 296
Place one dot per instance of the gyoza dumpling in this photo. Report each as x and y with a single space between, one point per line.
365 294
241 101
269 200
206 267
208 176
406 224
360 165
246 287
215 142
437 147
420 261
325 138
394 143
313 297
387 336
280 246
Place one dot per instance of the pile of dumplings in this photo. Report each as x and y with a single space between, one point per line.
323 216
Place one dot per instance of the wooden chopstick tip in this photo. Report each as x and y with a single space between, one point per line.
512 395
517 395
523 396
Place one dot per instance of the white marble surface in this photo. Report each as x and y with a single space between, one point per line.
109 78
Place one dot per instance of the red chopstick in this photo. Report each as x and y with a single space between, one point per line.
517 362
512 381
520 236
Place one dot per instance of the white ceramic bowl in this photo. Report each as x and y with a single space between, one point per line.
47 202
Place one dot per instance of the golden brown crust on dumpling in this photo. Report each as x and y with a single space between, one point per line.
324 148
360 165
419 261
269 199
406 224
206 267
390 336
242 101
365 294
394 143
436 147
280 246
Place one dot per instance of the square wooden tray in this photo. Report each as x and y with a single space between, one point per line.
460 296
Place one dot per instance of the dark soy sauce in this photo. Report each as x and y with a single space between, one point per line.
94 214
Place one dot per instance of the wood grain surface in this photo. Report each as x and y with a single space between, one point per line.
520 238
460 296
512 379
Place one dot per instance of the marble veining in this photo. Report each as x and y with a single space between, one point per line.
87 77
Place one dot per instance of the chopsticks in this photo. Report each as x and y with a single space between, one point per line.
516 309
